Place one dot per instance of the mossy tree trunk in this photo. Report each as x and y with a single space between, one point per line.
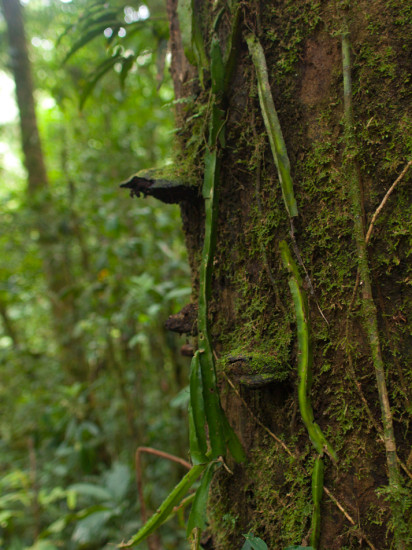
252 316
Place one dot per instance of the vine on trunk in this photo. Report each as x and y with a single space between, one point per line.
305 359
204 407
300 301
369 312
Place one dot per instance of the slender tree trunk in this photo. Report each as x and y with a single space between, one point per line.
8 324
255 326
20 64
56 261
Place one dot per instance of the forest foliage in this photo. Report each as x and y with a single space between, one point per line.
69 431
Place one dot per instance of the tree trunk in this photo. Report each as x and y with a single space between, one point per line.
56 259
357 294
20 64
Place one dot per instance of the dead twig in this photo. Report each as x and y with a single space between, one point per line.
139 477
349 518
384 201
377 212
293 455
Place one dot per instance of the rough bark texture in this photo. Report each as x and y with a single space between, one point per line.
252 315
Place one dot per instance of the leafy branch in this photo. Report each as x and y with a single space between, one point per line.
167 506
100 17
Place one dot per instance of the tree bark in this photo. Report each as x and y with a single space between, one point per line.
252 315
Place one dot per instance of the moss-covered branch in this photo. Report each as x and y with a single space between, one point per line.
369 312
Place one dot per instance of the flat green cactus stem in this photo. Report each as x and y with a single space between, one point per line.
271 120
317 492
305 358
167 506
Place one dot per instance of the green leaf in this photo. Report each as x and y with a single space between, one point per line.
272 124
101 70
232 48
192 38
118 480
43 545
198 442
94 491
88 529
182 399
178 293
137 26
61 523
232 441
254 543
196 455
197 517
5 516
108 16
87 20
217 69
217 127
166 508
185 14
198 42
209 176
127 64
161 53
91 35
213 409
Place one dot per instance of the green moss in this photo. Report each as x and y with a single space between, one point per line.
299 21
252 312
268 366
281 493
224 524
